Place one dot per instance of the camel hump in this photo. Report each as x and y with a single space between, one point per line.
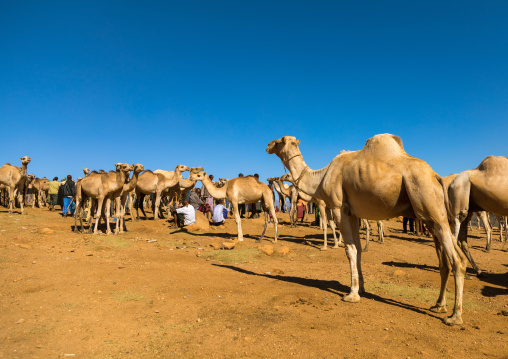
385 145
494 164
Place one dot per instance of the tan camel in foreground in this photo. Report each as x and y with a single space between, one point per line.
325 214
484 188
156 183
242 190
14 179
99 186
380 182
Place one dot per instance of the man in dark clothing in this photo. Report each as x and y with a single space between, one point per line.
68 193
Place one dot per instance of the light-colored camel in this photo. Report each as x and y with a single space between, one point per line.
484 188
242 190
180 189
99 186
281 190
379 182
14 179
156 183
325 214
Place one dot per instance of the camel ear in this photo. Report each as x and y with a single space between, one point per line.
297 142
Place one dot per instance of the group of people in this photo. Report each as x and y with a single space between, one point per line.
62 194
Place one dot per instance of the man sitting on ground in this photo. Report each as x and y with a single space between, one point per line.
218 213
185 215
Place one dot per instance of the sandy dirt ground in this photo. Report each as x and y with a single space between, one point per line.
157 292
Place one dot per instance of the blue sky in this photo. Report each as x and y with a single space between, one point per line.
202 83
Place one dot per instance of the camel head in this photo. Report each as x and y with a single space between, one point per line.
138 168
86 171
30 178
197 176
124 167
25 160
182 168
196 169
287 178
285 147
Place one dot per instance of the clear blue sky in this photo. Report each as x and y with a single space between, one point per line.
210 83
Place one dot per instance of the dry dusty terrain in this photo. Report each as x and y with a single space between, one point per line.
154 292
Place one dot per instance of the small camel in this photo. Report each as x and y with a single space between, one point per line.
99 186
325 214
156 183
242 190
380 181
14 180
484 188
39 186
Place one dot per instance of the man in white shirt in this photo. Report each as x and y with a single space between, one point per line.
218 213
184 215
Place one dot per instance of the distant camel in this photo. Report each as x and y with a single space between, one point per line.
14 178
325 214
242 190
156 183
99 186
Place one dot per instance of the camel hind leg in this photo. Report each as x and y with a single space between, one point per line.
380 231
427 200
488 228
367 235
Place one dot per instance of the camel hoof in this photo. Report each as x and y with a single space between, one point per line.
351 298
365 250
336 247
487 250
257 240
455 319
323 249
438 309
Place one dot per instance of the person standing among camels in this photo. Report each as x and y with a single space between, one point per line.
53 193
68 193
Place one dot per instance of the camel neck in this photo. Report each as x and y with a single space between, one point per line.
217 193
285 191
308 180
133 182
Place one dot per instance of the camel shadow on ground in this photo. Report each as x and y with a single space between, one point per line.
333 287
421 266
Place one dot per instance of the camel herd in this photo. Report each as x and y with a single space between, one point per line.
378 182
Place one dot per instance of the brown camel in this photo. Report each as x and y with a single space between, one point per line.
325 213
242 190
99 186
484 188
379 182
156 183
14 179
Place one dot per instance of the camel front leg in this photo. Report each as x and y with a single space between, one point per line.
333 227
380 231
238 221
98 214
367 231
488 229
322 217
107 210
341 217
156 205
